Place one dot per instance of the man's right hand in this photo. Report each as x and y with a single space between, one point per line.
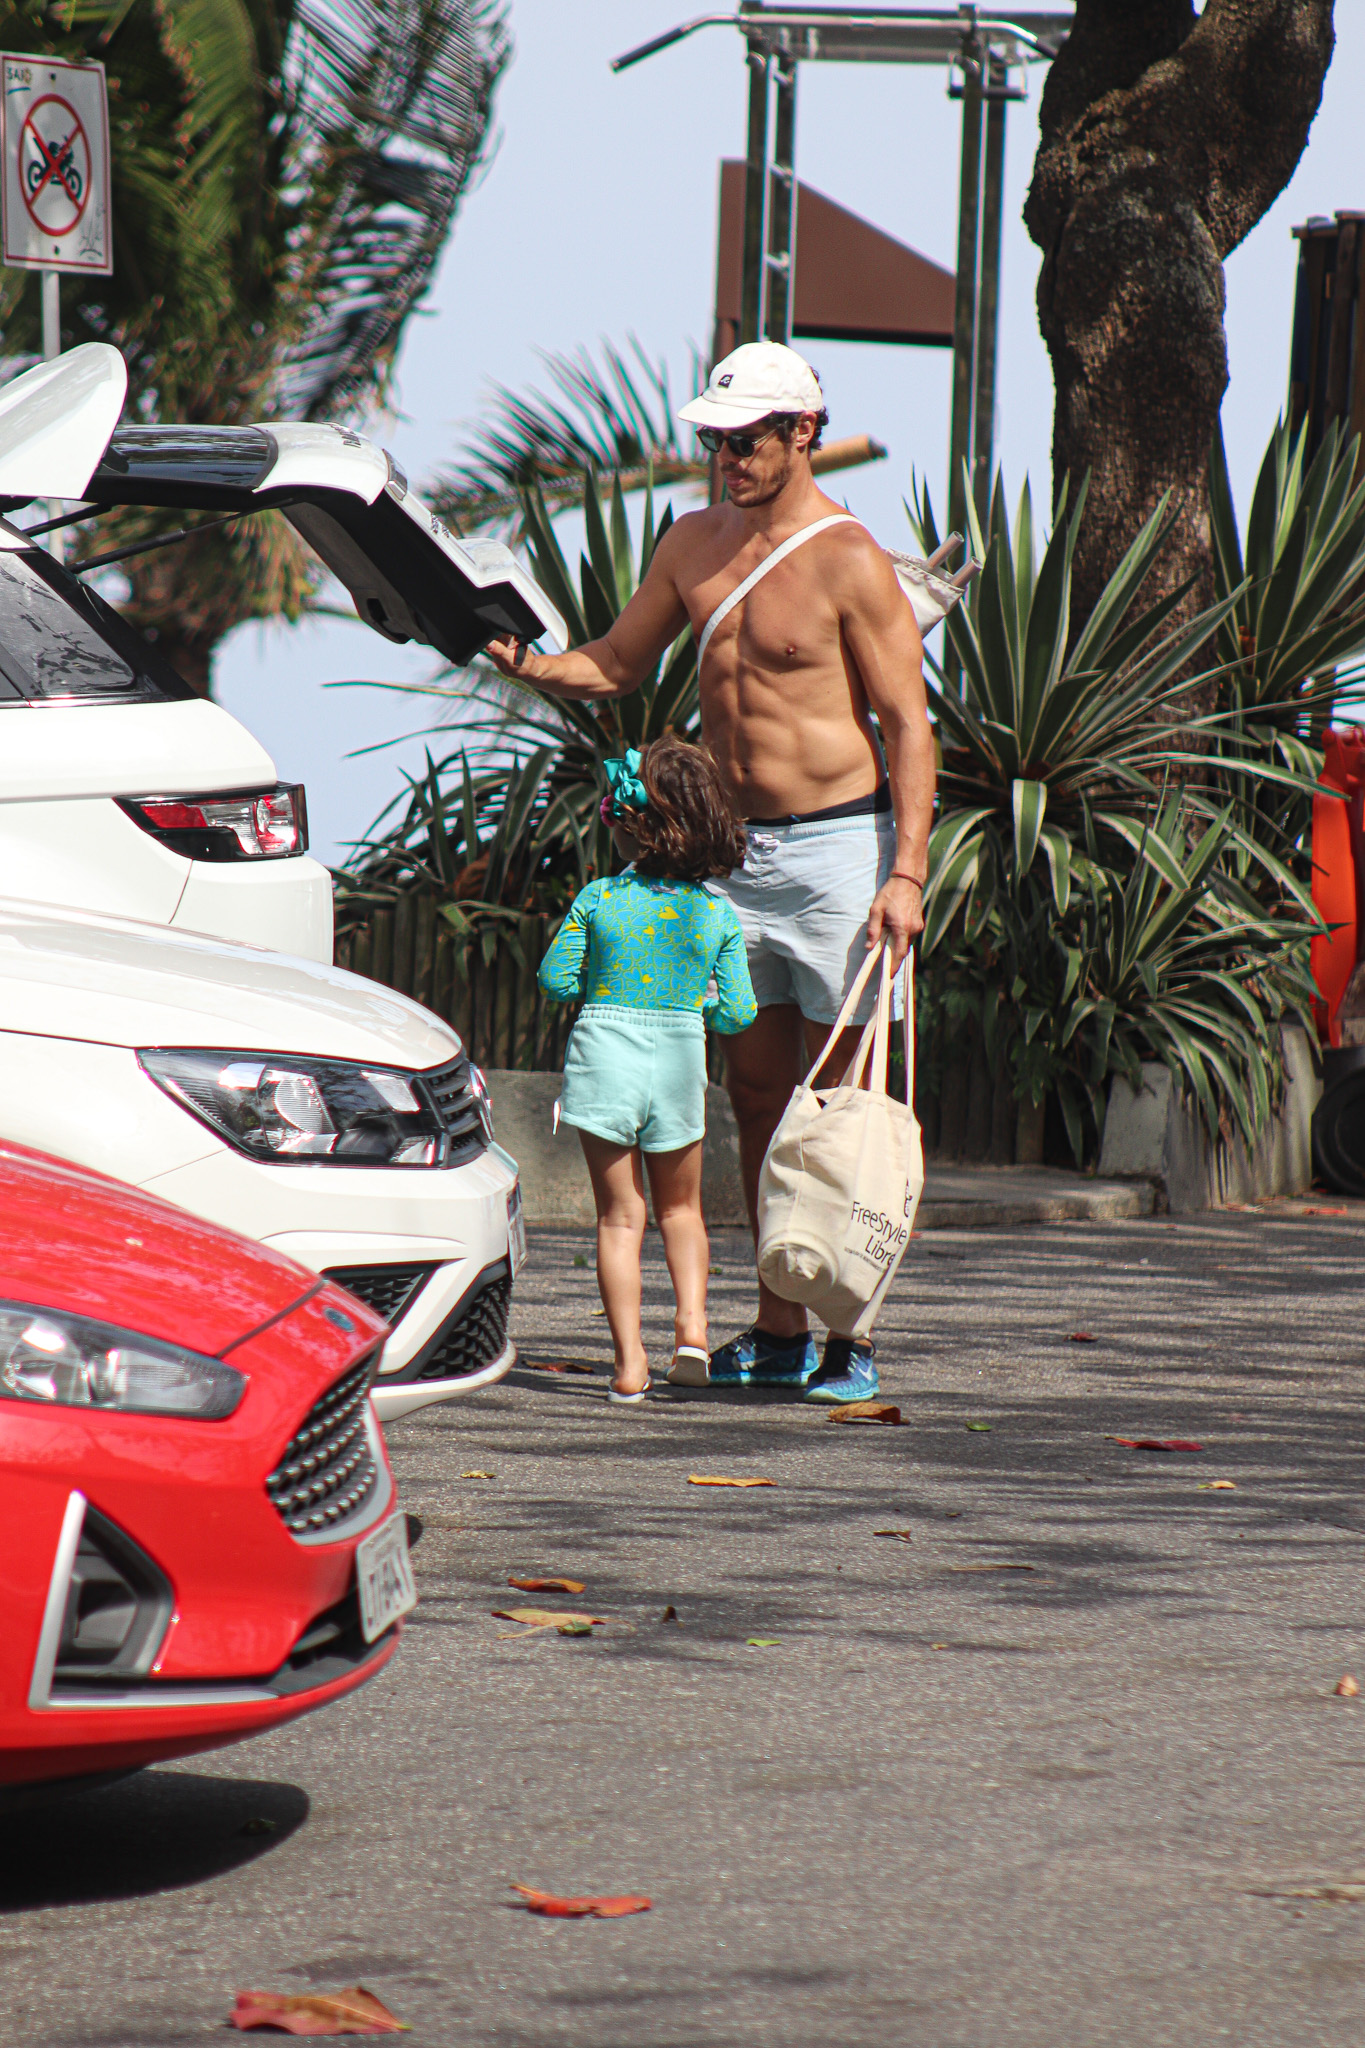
510 656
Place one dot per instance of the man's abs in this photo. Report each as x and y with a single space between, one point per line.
788 743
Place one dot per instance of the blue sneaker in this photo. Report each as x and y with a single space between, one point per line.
756 1359
846 1373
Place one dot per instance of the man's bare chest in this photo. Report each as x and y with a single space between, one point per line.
788 617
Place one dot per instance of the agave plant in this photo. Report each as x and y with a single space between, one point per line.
524 830
1079 911
1053 738
1143 967
1297 613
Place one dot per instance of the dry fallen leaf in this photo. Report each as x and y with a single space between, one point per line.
904 1535
699 1479
580 1909
670 1613
1327 1894
1346 1688
762 1643
547 1585
352 2011
545 1617
476 1475
1083 1337
556 1365
1156 1443
1218 1486
1322 1212
865 1411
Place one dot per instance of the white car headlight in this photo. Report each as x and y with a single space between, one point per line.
289 1110
75 1362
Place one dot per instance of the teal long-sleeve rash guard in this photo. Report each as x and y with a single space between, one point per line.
643 943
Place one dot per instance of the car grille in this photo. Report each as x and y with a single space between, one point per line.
473 1338
328 1469
451 1092
389 1290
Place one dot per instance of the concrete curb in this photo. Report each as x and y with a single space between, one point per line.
556 1190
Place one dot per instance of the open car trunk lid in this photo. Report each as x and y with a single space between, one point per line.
409 577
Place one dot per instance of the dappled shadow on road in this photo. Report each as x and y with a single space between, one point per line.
1220 1331
157 1831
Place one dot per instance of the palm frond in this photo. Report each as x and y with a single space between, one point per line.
392 111
615 417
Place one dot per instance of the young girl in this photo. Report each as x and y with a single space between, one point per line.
642 946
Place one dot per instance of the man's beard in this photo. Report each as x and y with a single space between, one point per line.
779 483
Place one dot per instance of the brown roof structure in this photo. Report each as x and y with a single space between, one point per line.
853 283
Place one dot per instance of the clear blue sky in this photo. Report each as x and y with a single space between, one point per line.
597 218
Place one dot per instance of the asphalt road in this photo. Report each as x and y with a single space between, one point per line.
1102 1800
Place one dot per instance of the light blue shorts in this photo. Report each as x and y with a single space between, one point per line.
802 898
636 1077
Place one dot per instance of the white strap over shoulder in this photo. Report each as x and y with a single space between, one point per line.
779 554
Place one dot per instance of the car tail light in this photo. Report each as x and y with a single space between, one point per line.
248 824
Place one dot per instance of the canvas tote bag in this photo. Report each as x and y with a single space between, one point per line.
842 1178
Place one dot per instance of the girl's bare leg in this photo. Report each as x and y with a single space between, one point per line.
619 1194
675 1184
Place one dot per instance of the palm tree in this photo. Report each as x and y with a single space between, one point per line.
285 174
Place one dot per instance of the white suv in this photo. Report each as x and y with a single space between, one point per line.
123 792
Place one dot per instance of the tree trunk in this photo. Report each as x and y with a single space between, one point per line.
1164 138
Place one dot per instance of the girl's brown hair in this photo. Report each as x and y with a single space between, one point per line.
688 830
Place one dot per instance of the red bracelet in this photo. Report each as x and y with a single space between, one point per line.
896 876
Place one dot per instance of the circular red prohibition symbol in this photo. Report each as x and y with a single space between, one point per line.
54 165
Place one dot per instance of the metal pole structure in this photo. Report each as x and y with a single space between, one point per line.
968 254
51 285
755 195
988 307
781 263
52 313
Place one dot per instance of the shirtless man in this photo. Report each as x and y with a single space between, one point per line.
790 677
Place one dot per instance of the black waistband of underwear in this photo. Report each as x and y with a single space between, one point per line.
872 805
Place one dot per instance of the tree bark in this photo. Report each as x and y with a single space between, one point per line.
1164 138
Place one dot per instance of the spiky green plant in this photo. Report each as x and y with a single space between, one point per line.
1289 647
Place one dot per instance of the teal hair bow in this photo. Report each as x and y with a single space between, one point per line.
625 791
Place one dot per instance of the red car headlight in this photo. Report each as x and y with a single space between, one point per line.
73 1361
249 824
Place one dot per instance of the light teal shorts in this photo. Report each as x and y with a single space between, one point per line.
636 1077
802 897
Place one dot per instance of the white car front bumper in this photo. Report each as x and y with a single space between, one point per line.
428 1250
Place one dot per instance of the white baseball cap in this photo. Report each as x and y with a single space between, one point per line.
756 379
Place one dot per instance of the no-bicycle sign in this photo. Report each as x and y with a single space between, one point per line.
54 133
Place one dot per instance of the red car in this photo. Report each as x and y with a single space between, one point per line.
199 1536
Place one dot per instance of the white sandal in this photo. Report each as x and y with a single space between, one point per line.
691 1367
628 1400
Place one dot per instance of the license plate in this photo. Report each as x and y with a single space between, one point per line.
516 1229
384 1577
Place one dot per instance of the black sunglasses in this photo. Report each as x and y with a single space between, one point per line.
742 445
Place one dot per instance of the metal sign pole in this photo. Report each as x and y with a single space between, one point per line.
755 196
988 308
781 265
52 313
968 258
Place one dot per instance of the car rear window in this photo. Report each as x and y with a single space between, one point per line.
60 643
